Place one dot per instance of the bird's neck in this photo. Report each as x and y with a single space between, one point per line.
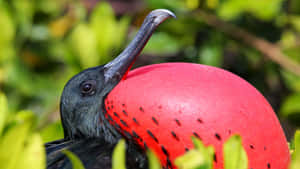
93 125
107 131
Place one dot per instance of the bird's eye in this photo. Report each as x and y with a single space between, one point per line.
88 87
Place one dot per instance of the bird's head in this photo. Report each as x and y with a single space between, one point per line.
82 100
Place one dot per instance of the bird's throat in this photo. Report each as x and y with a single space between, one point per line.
107 131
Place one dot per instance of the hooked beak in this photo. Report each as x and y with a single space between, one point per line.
115 70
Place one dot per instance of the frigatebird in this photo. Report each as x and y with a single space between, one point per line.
87 132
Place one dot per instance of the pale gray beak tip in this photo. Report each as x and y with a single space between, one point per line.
166 11
160 15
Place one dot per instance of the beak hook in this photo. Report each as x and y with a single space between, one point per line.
119 67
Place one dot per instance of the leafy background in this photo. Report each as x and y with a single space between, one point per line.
45 42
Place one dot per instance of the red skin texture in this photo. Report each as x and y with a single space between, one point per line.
210 101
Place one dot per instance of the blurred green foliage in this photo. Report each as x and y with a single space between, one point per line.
296 151
45 42
119 154
154 162
234 154
200 157
21 146
76 163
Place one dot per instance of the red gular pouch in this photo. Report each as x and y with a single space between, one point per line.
161 106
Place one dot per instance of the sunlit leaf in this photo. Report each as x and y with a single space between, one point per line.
192 159
291 81
199 158
7 33
52 132
33 155
3 111
212 3
162 44
174 4
12 145
121 34
84 45
264 10
51 6
295 164
119 161
288 39
231 9
154 162
24 10
234 154
76 163
297 141
23 14
207 151
293 52
110 33
192 4
25 116
104 25
291 107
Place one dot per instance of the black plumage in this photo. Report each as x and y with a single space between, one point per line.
94 154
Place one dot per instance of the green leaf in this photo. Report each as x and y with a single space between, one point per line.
212 3
7 32
199 158
52 132
50 6
295 163
211 52
174 4
190 160
231 9
25 116
154 162
3 111
192 4
264 10
104 25
24 10
288 40
119 154
121 34
290 107
84 45
297 141
211 55
12 145
253 56
162 44
234 154
110 33
207 151
76 163
292 81
34 155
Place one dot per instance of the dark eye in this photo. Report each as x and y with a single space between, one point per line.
88 87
